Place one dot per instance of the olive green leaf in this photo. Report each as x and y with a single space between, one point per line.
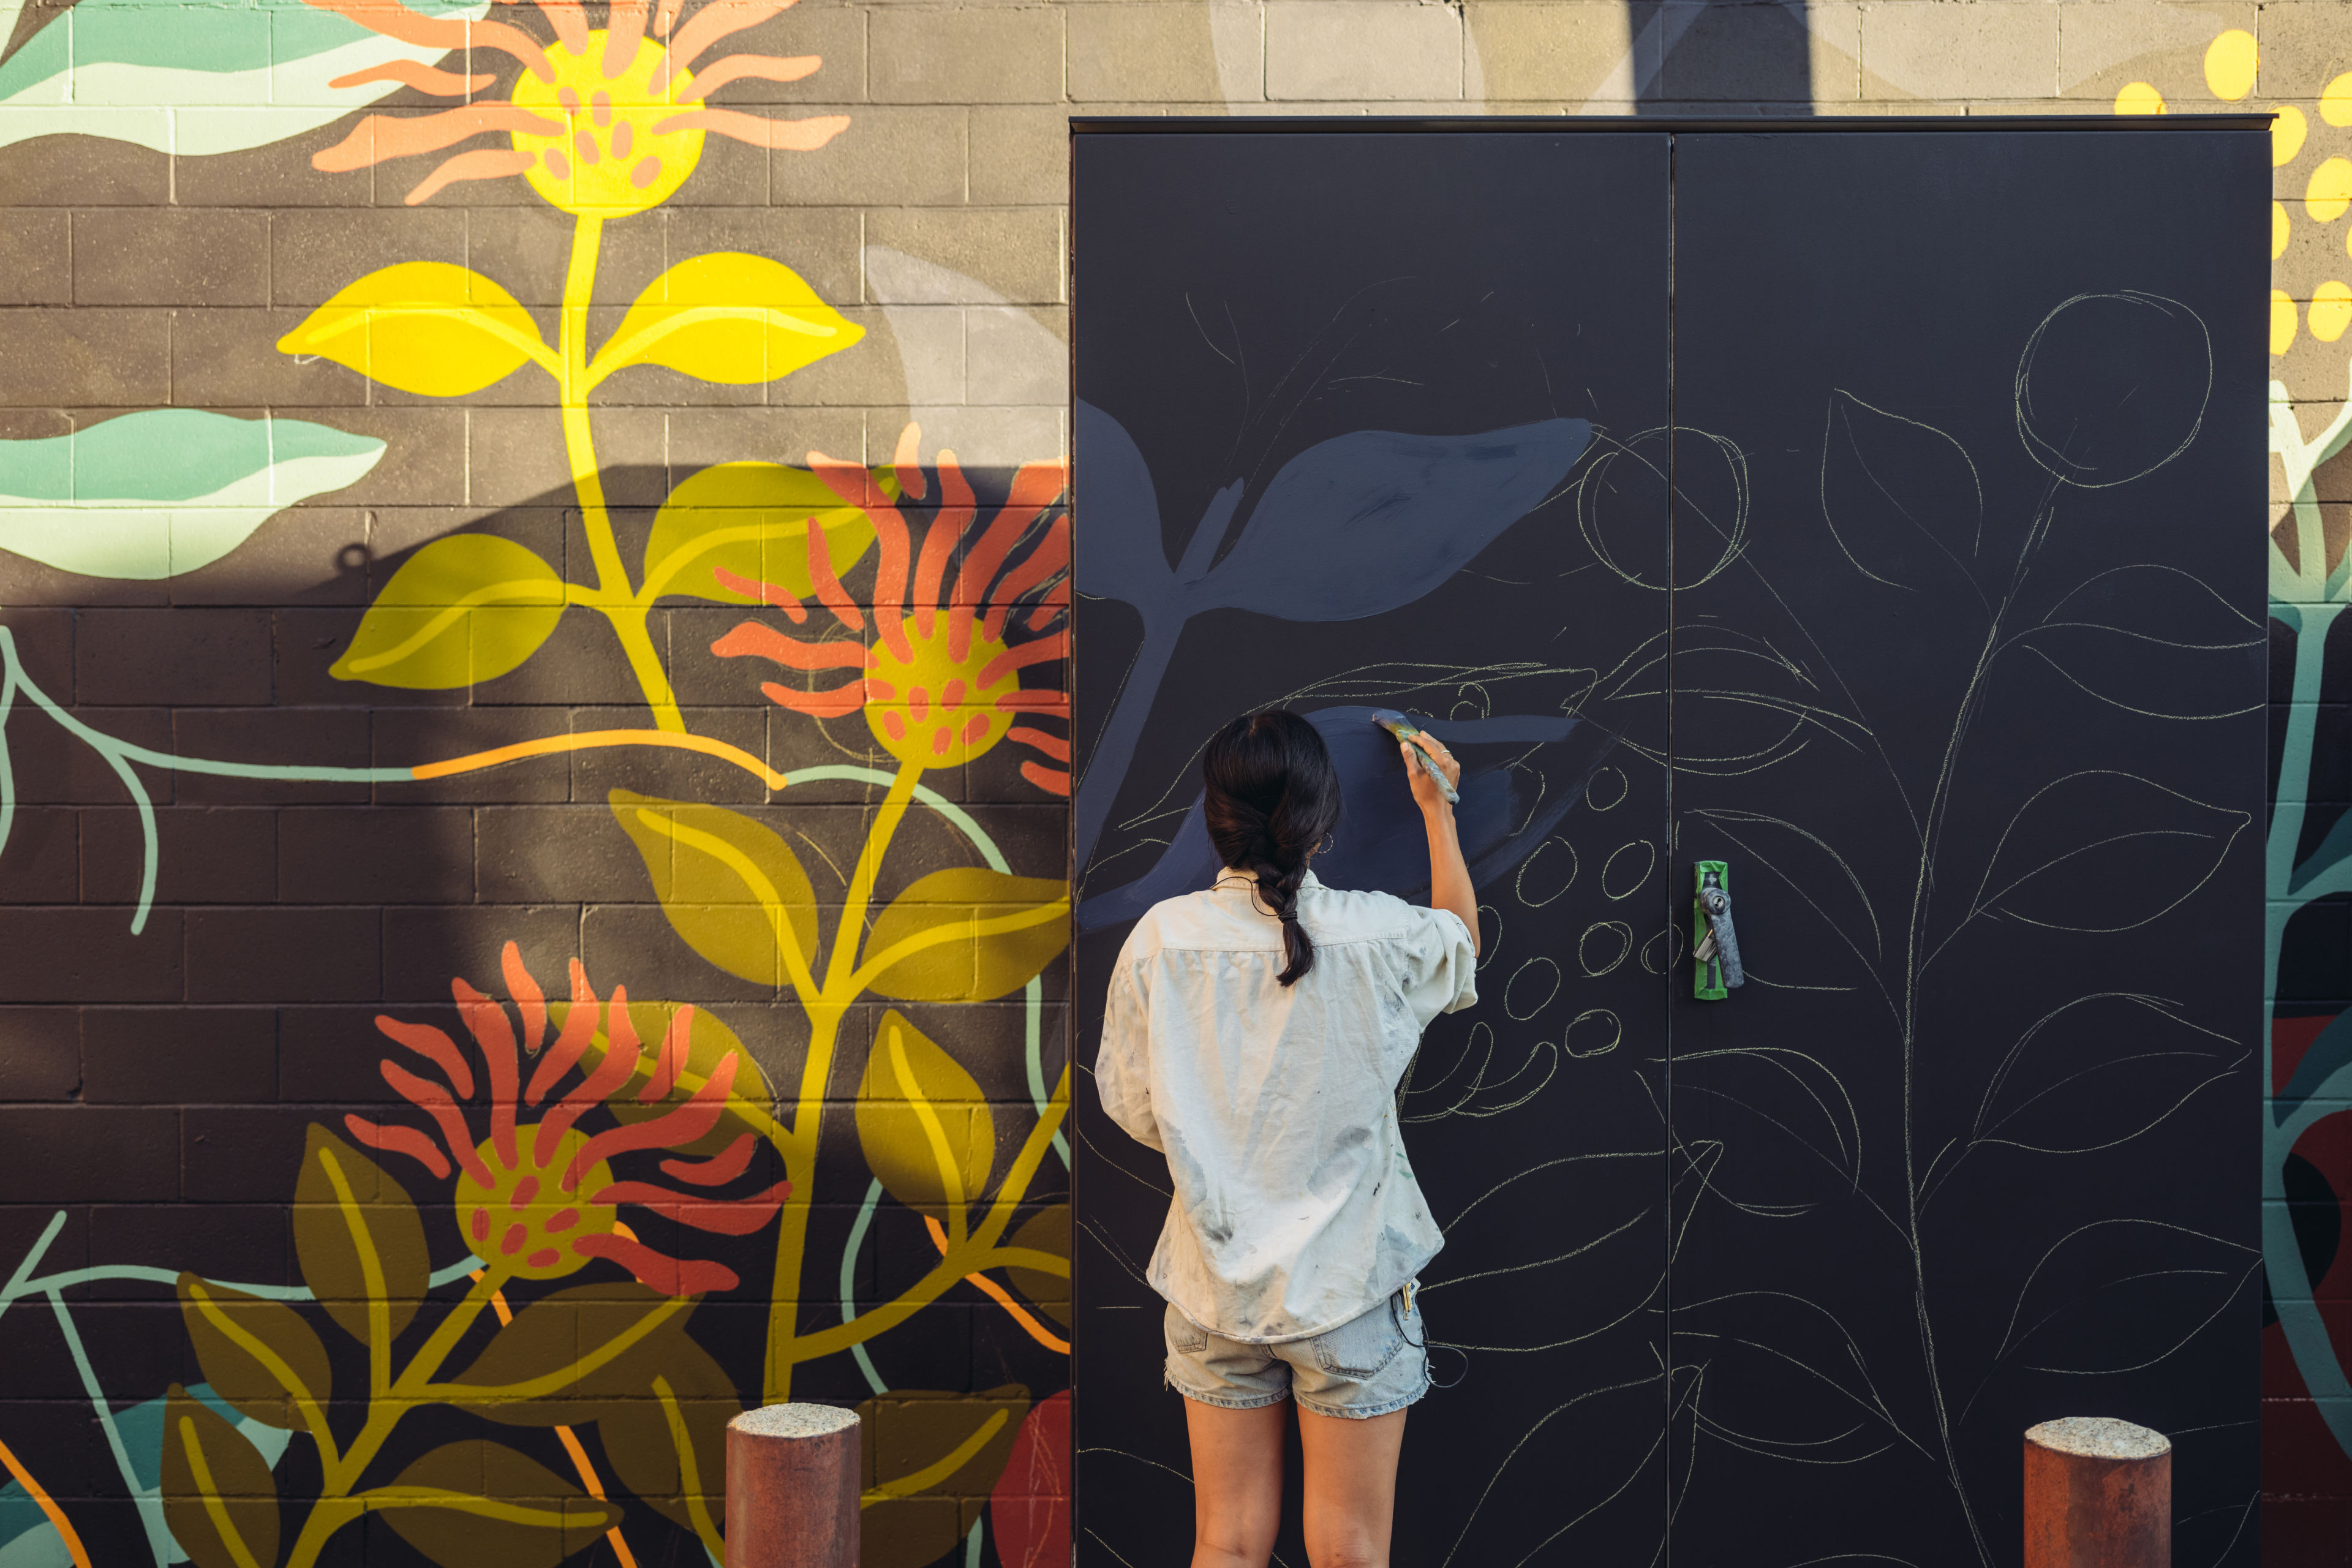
220 1497
568 1353
753 520
465 608
259 1356
667 1435
927 1133
969 934
479 1504
708 1042
359 1240
1048 1231
918 1444
734 889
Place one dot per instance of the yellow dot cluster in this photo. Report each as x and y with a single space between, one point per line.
2232 72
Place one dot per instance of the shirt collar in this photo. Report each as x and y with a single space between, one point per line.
1228 878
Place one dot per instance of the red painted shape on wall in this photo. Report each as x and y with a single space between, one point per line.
1030 1509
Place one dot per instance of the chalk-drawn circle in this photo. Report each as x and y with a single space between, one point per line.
1490 933
2111 388
1547 873
1663 950
1601 1031
1618 929
1621 502
1601 777
1520 1001
1608 870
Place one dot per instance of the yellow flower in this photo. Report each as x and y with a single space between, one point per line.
606 123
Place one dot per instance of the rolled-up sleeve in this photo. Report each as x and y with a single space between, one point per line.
1122 1068
1437 965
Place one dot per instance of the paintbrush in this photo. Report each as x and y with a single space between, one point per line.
1402 728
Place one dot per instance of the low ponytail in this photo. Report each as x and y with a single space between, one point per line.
1272 796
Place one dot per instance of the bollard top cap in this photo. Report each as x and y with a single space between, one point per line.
2099 1437
794 1420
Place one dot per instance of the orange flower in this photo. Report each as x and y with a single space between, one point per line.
608 122
941 683
538 1198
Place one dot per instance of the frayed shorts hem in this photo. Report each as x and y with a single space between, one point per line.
1361 1413
1228 1400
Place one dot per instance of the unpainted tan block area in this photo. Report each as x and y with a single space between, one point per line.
1363 50
991 55
1960 49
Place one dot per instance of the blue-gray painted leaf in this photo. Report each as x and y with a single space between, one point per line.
1119 554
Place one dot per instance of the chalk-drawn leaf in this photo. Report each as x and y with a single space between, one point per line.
751 519
164 490
357 1240
2154 639
1831 926
571 1353
1372 519
1610 1494
728 316
2120 1295
258 1355
463 609
1047 1230
667 1432
477 1502
2099 1071
1783 1372
1596 1254
1902 498
1029 1512
732 888
967 934
428 327
922 1123
919 1444
2104 851
194 80
1786 1134
220 1497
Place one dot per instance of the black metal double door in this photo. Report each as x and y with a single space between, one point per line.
1869 509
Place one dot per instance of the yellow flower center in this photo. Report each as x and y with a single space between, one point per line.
527 1220
608 159
933 710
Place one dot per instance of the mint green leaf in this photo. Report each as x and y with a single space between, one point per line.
166 490
194 78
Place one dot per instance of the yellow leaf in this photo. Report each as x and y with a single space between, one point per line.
426 327
220 1497
473 1502
1048 1231
727 317
258 1355
927 1134
969 934
734 889
751 519
466 608
924 1450
359 1240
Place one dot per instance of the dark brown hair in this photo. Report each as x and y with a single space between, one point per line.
1272 796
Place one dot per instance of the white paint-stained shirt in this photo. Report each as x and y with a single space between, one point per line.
1294 1207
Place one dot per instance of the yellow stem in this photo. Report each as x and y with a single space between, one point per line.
612 597
798 1147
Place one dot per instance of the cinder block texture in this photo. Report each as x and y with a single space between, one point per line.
1326 51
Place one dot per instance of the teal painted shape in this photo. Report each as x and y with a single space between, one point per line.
40 1547
163 491
142 1426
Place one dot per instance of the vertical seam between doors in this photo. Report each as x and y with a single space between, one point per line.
1666 1434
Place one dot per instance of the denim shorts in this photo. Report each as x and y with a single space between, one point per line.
1368 1366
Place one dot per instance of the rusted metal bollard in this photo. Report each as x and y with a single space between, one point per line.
792 1488
2098 1494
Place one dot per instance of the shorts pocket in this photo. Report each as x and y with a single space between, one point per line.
1362 1345
1184 1336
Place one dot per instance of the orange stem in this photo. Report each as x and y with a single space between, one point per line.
998 1294
570 1441
74 1547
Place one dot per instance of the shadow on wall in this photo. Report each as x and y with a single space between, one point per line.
1719 57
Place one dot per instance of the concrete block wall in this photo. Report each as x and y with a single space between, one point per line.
193 991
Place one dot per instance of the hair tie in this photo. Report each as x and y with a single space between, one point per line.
1289 916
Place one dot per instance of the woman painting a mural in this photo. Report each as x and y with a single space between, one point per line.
1255 1033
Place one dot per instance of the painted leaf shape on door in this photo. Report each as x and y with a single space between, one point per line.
1903 498
357 1240
925 1129
753 520
428 327
727 317
163 491
2148 849
219 1498
732 888
197 80
259 1356
967 934
463 609
918 1445
1029 1512
474 1503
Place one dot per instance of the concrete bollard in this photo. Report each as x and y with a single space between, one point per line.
792 1488
2098 1494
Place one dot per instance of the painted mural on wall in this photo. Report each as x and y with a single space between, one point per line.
2307 1162
583 1227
